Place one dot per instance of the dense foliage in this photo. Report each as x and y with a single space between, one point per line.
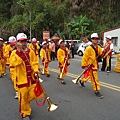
71 19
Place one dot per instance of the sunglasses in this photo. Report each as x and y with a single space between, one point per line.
95 38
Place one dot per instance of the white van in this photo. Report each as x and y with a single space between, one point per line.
75 41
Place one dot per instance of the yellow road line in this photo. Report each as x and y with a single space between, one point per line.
110 86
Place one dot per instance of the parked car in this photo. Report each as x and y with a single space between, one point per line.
81 49
76 47
75 41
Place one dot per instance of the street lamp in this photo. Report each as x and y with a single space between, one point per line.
29 16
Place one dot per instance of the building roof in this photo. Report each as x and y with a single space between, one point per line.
110 29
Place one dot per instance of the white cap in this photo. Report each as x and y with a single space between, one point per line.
21 36
34 40
49 40
109 37
44 42
5 42
60 41
1 39
12 39
94 35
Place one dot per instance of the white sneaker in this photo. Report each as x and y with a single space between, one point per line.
16 95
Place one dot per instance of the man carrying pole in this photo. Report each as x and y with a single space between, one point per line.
63 55
90 58
45 57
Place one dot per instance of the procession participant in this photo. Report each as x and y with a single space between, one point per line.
2 64
35 47
12 41
23 59
9 48
49 46
90 58
63 55
45 57
107 58
4 61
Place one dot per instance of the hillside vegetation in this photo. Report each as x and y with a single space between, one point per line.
71 19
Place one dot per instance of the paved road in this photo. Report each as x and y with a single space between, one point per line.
75 103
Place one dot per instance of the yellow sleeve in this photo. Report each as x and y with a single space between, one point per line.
30 46
38 47
100 51
50 48
60 56
15 60
85 58
7 50
42 54
33 61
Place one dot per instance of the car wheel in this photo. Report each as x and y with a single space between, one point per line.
80 53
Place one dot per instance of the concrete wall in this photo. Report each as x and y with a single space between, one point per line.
114 34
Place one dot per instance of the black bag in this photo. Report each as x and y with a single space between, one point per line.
99 57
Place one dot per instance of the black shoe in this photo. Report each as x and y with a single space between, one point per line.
102 70
48 75
64 83
82 83
98 94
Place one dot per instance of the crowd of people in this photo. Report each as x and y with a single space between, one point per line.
23 60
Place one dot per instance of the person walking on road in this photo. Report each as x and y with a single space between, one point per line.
35 47
90 59
63 55
2 61
53 50
26 64
45 57
107 58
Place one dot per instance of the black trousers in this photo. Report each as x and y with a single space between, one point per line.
52 55
72 51
104 65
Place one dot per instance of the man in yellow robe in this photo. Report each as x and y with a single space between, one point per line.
45 57
23 59
12 42
90 58
2 61
35 47
63 55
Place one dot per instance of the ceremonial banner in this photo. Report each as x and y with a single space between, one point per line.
46 35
